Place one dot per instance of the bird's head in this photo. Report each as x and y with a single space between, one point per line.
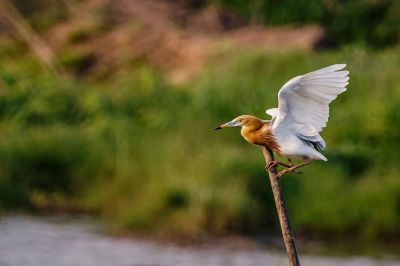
241 121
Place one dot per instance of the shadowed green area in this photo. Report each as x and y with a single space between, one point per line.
141 154
370 23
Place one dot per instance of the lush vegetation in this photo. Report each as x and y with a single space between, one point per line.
371 23
141 154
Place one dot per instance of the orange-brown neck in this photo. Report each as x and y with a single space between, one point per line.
258 132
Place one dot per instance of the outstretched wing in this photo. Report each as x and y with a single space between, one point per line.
303 107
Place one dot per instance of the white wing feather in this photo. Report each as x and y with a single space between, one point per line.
272 112
303 107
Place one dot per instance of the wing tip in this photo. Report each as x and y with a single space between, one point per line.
335 68
338 67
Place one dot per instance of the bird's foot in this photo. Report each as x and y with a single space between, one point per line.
270 165
291 169
287 170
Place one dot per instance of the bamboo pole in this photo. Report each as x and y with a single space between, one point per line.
287 233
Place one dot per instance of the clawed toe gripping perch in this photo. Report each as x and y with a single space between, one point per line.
290 168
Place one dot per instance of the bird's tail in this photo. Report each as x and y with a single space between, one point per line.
315 150
321 157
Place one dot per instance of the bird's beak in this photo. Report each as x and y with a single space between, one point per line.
232 123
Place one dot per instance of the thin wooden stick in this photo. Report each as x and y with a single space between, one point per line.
287 233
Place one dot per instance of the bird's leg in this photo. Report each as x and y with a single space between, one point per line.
291 169
272 164
291 165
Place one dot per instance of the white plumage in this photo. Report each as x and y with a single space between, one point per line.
303 111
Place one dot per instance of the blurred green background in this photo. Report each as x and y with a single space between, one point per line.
108 126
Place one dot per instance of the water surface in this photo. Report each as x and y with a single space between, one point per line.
28 241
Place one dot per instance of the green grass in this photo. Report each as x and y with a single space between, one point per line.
140 152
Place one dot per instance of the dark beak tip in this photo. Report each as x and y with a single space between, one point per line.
217 128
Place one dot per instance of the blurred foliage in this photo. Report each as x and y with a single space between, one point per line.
277 12
78 62
141 153
371 23
367 22
42 14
